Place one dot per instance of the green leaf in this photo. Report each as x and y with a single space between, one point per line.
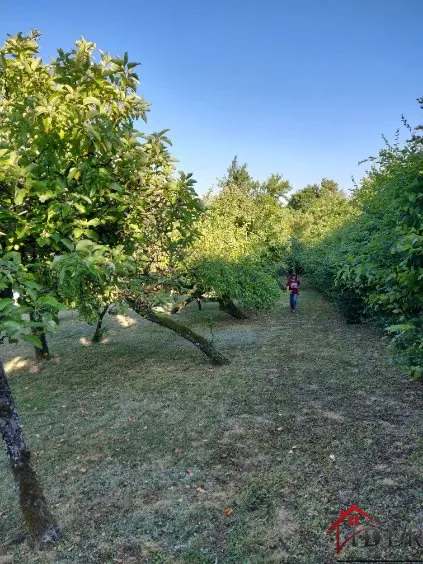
46 196
50 301
79 207
12 327
84 244
91 100
92 114
68 244
43 241
72 173
5 303
32 340
91 234
20 195
95 221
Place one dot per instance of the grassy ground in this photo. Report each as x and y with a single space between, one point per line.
142 445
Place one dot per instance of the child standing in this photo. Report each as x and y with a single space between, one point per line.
293 285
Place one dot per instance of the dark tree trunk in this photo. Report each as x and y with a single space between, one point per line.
38 519
228 306
98 335
185 332
42 353
179 307
195 296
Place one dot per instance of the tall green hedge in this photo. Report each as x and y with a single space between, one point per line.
371 263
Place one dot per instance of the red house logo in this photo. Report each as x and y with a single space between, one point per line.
350 517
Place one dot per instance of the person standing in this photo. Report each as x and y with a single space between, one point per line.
293 287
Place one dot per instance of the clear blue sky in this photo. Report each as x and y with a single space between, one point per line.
300 87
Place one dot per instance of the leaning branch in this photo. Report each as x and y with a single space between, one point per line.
145 311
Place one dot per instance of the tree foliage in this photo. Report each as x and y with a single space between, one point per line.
384 262
79 182
304 199
366 254
238 251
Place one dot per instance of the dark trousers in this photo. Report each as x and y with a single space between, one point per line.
293 301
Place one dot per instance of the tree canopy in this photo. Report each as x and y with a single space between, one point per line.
303 199
76 175
237 254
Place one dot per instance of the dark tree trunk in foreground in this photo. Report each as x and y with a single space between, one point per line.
98 335
228 306
198 340
43 353
38 519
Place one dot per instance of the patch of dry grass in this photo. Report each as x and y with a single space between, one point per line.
141 444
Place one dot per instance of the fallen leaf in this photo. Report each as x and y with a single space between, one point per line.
200 490
132 418
227 512
332 456
190 471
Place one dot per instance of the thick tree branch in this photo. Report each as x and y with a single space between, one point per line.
185 332
98 330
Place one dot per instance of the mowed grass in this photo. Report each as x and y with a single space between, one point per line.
142 444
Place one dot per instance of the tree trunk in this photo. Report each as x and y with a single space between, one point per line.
38 519
185 332
195 296
98 330
43 353
179 307
228 306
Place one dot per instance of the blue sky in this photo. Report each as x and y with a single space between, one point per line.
304 88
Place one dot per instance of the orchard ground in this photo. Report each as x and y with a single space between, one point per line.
148 453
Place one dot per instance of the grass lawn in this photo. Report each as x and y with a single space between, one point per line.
142 444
